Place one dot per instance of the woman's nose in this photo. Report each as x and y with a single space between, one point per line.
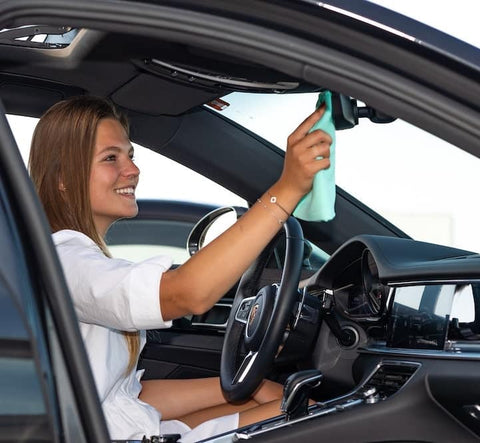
130 169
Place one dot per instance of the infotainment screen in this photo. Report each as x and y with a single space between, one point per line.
419 316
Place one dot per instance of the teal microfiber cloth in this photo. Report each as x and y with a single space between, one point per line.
319 203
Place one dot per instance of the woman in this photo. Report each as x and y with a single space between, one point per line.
81 162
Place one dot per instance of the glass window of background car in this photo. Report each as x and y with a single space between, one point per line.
417 181
463 306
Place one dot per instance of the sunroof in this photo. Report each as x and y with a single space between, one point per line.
38 36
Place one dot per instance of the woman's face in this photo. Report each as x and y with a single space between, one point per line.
113 176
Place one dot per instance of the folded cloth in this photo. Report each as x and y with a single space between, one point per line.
319 203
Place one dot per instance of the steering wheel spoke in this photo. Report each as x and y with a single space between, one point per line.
245 367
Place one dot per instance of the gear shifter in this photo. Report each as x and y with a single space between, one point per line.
296 392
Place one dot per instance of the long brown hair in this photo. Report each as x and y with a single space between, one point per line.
60 162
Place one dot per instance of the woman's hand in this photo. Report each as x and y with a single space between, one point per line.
307 153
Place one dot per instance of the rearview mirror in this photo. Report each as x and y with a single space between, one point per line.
346 112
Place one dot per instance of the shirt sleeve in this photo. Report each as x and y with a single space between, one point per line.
113 292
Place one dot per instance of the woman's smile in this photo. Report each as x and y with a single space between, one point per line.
126 192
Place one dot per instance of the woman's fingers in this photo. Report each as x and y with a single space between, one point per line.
315 159
314 144
306 125
311 148
316 152
317 137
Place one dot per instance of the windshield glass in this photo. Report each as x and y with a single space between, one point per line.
415 180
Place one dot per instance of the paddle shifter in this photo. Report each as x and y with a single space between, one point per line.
296 392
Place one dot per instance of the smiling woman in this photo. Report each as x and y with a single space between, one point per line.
64 182
81 163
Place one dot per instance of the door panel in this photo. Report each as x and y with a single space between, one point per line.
177 354
191 348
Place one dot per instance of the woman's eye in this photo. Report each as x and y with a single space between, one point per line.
111 158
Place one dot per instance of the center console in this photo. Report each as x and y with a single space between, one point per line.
385 381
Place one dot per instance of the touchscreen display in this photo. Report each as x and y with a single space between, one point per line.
419 316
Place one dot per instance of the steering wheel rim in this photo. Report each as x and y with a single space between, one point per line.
239 381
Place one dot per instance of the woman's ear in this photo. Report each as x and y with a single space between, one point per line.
61 186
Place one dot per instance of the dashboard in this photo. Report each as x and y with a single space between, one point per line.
404 293
380 291
398 325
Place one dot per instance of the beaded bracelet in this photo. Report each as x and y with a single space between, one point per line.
274 201
279 220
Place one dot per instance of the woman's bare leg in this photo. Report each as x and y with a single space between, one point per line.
176 398
194 401
249 412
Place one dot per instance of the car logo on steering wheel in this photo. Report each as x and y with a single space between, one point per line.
253 313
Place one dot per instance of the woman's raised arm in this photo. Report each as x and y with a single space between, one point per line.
199 283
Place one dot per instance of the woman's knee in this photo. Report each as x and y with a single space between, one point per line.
268 391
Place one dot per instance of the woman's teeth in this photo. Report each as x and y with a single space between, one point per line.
125 191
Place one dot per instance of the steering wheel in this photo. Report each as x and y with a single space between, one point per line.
258 319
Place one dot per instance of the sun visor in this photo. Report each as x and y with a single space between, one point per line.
149 94
30 96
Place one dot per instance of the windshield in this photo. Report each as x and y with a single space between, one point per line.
415 180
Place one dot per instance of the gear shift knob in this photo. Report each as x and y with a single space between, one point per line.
296 392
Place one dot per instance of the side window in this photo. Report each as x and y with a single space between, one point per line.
172 198
23 406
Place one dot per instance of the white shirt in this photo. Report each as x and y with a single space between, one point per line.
110 295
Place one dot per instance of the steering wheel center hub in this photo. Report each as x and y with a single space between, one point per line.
259 317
